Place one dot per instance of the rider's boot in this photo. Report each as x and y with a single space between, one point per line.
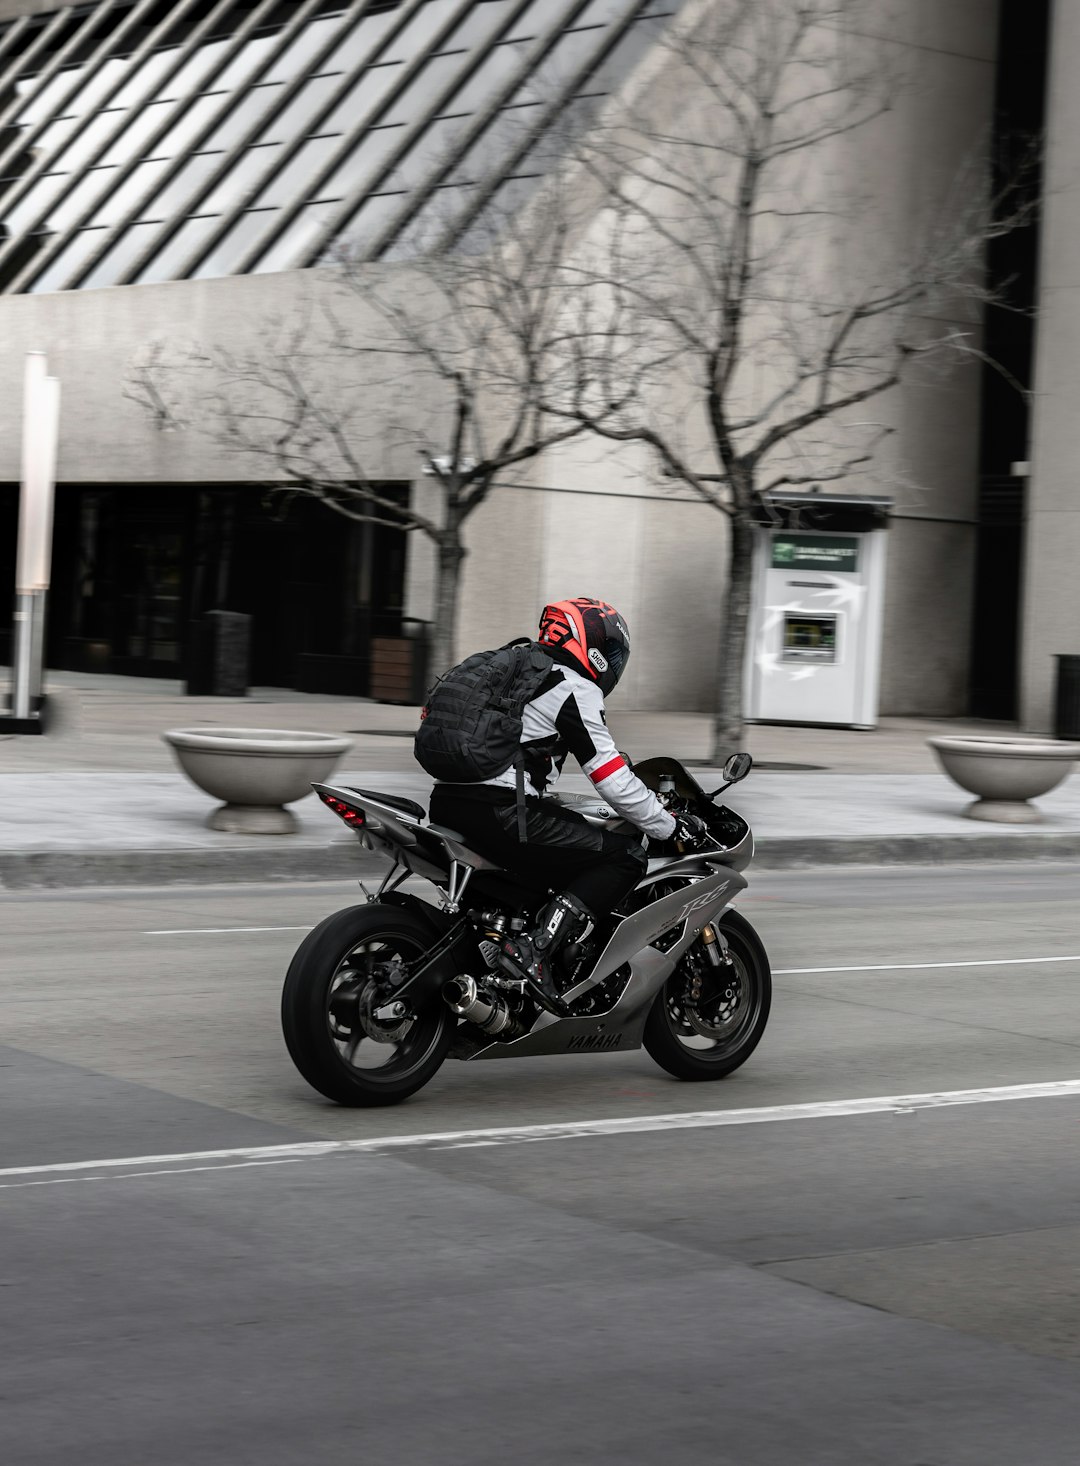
532 954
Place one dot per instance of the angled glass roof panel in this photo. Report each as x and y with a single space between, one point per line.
432 79
374 148
410 147
419 35
361 39
376 83
296 240
247 231
557 69
177 195
298 116
90 135
80 247
189 79
497 67
89 189
87 98
427 227
112 269
534 21
171 255
21 216
53 138
238 118
242 69
144 80
480 25
436 145
116 201
298 56
510 128
245 176
599 12
625 55
297 174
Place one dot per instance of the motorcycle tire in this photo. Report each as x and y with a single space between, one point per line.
328 1031
670 1036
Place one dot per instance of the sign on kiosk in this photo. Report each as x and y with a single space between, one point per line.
815 552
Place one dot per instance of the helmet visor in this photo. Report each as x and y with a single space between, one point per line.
617 655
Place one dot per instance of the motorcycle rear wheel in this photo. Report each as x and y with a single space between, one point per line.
735 1015
334 984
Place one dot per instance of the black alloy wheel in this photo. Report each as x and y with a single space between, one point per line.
707 1020
347 1034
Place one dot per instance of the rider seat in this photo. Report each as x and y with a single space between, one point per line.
392 801
459 851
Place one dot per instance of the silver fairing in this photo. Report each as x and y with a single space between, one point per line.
621 1026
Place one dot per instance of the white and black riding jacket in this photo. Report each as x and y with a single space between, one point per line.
567 716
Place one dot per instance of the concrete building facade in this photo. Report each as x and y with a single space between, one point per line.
582 521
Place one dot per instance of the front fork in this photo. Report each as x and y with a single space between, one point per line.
717 956
715 944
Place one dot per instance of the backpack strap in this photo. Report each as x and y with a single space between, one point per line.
519 785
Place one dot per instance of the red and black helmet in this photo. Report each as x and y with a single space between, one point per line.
592 637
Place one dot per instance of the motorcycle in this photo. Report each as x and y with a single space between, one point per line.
380 994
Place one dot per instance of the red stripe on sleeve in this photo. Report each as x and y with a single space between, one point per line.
609 768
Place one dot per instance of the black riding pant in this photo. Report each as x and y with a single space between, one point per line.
563 851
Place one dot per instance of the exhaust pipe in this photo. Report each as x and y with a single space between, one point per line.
491 1014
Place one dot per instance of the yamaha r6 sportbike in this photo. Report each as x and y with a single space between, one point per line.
380 994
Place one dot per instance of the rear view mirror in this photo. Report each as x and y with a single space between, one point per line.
737 767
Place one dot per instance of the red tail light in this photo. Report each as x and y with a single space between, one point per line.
352 817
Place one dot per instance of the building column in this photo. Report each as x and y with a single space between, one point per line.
1051 594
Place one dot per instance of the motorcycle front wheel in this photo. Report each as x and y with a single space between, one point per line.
341 1023
706 1021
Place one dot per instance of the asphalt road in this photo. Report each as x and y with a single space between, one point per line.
814 1281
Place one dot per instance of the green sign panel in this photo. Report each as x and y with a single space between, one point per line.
815 552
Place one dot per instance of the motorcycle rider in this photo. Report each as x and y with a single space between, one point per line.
590 869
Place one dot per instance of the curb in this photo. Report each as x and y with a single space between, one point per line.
44 870
783 853
48 870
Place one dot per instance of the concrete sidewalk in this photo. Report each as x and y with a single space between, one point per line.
98 801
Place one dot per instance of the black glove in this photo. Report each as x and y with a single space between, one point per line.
691 832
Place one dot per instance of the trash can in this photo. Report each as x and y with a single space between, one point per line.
1067 697
219 655
399 664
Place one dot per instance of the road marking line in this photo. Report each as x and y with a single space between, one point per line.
207 931
284 1160
573 1129
922 966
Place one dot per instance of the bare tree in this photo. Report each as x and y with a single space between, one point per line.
769 270
478 360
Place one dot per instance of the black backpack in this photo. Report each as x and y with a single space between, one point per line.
470 729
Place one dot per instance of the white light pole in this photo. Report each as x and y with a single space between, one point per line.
41 427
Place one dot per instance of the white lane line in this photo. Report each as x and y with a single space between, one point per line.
213 931
569 1130
922 966
120 1175
209 931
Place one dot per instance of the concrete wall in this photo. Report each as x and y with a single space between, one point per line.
1051 606
611 530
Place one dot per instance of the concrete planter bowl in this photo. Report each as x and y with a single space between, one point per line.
256 772
1005 773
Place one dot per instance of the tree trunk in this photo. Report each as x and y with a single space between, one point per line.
728 716
450 554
